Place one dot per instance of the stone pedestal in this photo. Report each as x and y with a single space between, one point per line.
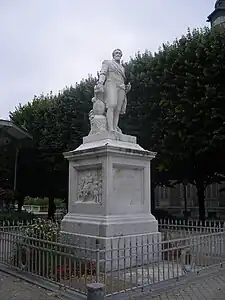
109 193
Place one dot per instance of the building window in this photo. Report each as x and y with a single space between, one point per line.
212 191
164 192
219 20
188 191
212 203
161 192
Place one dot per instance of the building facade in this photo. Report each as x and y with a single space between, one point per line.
173 200
217 17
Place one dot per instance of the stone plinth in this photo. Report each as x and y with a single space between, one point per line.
105 135
109 191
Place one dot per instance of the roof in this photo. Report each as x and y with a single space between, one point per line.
9 130
219 7
220 4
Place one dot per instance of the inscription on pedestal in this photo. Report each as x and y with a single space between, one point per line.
90 186
128 185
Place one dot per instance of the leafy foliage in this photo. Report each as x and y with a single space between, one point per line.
57 123
176 107
7 197
43 201
43 230
192 111
15 218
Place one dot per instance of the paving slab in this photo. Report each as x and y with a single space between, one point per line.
211 286
208 287
12 288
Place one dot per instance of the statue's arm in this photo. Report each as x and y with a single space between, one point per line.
128 87
103 72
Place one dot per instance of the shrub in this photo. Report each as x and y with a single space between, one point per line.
7 198
35 201
14 218
36 250
43 202
44 230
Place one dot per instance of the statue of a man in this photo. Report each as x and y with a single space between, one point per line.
112 84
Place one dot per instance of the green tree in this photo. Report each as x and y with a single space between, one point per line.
57 123
176 108
192 114
144 110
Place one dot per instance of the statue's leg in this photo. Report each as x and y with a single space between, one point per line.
109 116
111 98
120 99
116 119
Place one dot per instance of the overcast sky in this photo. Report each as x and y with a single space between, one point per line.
48 44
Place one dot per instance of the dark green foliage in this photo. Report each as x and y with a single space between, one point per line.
57 123
193 109
7 160
14 218
7 198
176 107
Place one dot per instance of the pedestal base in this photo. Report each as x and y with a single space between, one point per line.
109 200
109 226
116 252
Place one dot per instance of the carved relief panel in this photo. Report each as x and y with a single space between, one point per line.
90 186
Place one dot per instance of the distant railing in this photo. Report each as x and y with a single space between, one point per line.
122 264
31 208
173 229
190 225
194 210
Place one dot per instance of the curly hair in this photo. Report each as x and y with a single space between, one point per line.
113 53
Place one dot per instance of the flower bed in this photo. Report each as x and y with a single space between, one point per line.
39 252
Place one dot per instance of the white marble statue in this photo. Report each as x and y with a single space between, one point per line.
111 91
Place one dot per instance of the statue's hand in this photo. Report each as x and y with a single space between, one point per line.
128 87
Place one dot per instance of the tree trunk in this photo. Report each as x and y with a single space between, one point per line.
153 198
185 199
51 208
201 200
20 201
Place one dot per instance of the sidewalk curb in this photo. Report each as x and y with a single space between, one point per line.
47 285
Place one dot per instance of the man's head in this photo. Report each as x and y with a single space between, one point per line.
117 54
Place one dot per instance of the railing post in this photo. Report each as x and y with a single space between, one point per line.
95 291
97 261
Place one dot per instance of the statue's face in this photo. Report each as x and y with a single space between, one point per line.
117 54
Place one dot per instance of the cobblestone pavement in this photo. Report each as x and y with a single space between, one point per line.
209 287
12 288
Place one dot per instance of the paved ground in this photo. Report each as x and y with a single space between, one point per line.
209 287
12 288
